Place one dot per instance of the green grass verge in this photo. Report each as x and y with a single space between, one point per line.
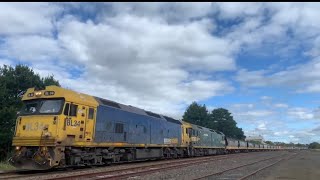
6 166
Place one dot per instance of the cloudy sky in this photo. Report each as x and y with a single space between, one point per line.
259 60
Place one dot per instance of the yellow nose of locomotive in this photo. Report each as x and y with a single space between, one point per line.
37 129
51 119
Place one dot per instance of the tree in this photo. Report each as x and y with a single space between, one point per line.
270 143
14 81
196 114
291 144
220 119
239 134
300 145
314 145
49 80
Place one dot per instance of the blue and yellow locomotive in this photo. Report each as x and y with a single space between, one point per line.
58 127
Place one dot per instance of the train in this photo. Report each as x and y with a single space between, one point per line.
59 127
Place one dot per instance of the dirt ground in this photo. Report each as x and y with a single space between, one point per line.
305 166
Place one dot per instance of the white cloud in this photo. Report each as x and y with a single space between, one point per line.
302 77
27 18
313 87
301 113
148 59
256 113
172 12
151 67
287 28
31 48
262 126
210 108
251 113
249 105
281 105
5 62
316 130
271 120
315 51
302 136
266 98
237 9
316 113
281 133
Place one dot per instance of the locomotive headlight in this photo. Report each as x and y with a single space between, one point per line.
38 93
49 93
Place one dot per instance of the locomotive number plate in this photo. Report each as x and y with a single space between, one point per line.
34 126
73 123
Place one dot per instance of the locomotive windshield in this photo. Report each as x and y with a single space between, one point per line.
42 106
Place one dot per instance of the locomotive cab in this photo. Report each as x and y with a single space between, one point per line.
50 120
39 117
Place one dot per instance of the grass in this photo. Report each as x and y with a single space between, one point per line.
6 166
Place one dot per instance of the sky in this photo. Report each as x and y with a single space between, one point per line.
258 60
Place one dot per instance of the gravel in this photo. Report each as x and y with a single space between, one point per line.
63 173
200 170
304 166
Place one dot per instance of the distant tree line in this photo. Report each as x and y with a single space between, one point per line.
313 145
218 119
14 81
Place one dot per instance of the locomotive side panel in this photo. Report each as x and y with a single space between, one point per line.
118 126
218 140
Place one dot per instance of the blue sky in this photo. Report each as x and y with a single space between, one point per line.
258 60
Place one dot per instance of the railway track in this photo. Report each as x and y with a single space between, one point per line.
26 173
143 170
38 173
265 167
239 176
122 172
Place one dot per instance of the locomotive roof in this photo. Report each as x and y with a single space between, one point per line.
58 92
203 128
136 110
73 96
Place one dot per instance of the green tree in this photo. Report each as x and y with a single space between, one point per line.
314 145
239 134
300 145
196 114
49 80
14 81
221 119
271 143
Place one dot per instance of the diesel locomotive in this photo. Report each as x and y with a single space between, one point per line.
59 127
